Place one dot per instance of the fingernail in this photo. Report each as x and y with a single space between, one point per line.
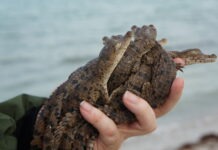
130 97
86 106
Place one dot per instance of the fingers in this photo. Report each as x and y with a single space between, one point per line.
105 126
172 99
110 133
146 120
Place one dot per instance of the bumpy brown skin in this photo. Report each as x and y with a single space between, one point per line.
59 124
146 69
152 81
131 60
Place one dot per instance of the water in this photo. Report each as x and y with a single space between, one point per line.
42 42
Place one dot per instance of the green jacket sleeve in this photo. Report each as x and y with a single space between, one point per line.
10 112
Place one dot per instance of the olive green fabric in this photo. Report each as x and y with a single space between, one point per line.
10 112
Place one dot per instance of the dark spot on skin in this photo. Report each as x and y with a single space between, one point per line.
77 87
64 136
100 102
49 107
142 74
85 88
136 87
74 81
46 140
79 137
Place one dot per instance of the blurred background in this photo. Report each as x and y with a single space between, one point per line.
42 42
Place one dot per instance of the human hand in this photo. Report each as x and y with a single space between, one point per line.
111 136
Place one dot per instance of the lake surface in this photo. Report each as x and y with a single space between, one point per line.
42 42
